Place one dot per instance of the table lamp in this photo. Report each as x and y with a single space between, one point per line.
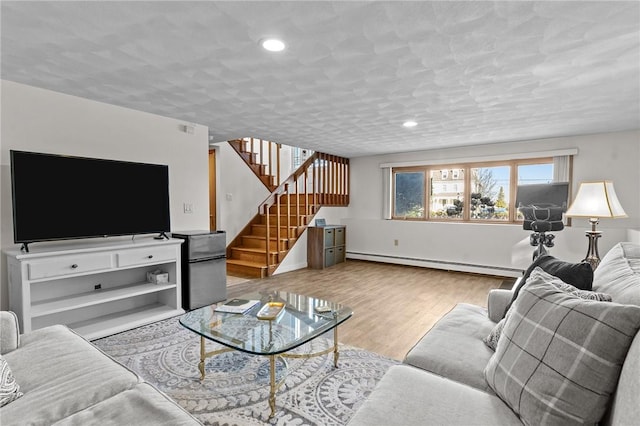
595 200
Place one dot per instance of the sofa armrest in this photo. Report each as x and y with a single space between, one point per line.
497 303
9 332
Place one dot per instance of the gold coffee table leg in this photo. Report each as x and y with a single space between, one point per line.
203 356
336 354
272 384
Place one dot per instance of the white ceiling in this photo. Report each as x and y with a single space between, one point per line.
467 72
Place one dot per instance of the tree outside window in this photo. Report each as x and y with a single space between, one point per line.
409 194
488 190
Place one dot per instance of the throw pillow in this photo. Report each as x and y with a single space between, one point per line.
9 389
560 356
579 275
492 339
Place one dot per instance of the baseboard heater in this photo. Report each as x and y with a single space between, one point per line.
438 264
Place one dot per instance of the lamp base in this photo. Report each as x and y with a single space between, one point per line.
593 257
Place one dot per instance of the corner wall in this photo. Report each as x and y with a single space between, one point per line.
39 120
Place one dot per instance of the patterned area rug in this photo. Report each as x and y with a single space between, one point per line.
235 390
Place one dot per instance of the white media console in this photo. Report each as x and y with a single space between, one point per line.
97 287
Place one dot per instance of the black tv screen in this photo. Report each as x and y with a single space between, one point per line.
58 197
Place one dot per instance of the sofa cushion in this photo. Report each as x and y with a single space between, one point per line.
409 396
560 356
619 274
60 373
579 275
453 348
142 405
9 388
492 339
9 332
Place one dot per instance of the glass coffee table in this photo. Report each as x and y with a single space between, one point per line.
299 322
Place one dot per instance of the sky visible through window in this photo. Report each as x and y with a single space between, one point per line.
527 174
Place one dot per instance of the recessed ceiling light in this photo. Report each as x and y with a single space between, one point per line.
409 124
273 44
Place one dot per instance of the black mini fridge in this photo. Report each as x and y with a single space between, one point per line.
204 267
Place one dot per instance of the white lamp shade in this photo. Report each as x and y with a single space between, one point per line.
596 200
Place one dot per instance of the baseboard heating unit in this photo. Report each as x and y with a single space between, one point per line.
437 264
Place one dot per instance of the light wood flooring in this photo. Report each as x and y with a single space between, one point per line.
394 305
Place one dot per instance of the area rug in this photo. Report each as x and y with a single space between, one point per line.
235 390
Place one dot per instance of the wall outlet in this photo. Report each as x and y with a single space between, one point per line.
97 287
395 243
188 208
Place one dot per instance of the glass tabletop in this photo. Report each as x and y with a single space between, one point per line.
297 324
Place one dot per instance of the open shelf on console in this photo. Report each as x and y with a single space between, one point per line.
96 297
107 325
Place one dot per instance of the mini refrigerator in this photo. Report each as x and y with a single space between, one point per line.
204 267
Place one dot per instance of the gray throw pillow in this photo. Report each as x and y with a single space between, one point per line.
560 356
579 275
9 389
492 339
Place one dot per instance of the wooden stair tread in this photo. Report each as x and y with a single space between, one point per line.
253 250
272 238
246 263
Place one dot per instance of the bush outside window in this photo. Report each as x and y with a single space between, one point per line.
479 192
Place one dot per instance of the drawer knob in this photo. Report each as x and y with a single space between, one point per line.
150 256
74 266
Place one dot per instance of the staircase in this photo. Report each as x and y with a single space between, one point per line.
322 180
253 152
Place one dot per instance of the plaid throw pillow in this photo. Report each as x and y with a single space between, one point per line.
560 356
9 389
492 339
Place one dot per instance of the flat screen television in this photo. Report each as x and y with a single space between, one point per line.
59 197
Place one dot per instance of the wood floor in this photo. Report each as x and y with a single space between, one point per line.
394 305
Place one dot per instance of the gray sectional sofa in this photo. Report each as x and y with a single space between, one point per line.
442 380
65 380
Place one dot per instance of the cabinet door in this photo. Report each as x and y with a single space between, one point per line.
340 236
329 237
329 257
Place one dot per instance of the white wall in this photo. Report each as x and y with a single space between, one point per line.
43 121
502 248
239 191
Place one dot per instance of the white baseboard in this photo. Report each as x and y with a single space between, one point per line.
438 264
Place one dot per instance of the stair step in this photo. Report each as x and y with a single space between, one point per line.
253 254
254 241
293 219
261 230
246 268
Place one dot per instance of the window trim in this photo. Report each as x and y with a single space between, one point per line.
428 170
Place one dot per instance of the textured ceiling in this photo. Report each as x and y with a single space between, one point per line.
467 72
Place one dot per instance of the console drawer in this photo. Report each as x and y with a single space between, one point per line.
68 265
148 255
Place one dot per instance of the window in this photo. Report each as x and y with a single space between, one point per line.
409 194
529 174
489 189
478 192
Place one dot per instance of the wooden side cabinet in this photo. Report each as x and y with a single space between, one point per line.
325 245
